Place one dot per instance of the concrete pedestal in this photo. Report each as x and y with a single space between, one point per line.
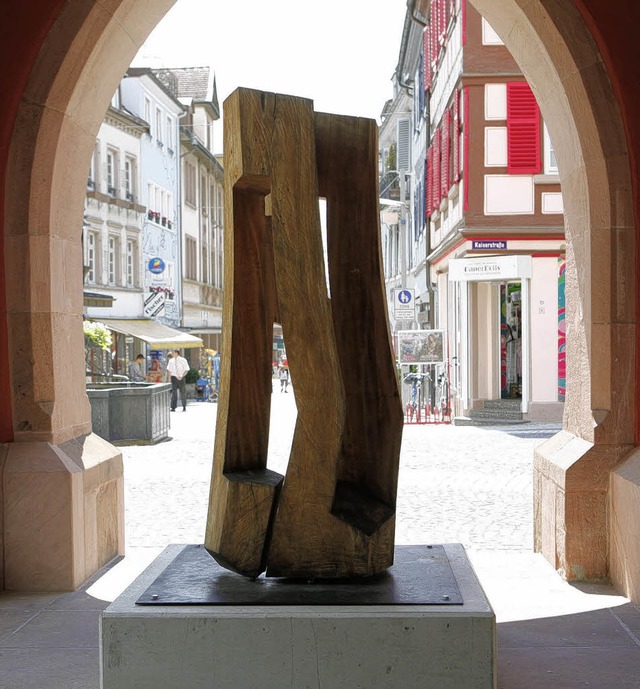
299 647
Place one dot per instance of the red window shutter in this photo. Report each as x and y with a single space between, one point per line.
445 155
434 43
523 130
429 184
456 136
435 33
428 67
446 13
436 169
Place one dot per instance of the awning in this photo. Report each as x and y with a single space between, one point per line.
156 335
214 330
97 299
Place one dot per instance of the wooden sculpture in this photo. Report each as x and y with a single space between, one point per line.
333 514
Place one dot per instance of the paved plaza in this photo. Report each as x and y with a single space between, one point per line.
466 484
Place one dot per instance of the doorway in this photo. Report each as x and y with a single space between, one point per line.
510 368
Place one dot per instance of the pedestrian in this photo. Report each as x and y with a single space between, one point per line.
177 369
284 378
136 370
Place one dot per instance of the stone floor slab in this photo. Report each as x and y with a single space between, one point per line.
61 668
57 629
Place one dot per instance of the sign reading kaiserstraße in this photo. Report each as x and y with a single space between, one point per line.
404 304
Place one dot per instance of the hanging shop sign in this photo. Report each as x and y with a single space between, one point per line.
153 304
489 268
156 266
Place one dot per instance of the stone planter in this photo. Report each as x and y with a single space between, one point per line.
130 412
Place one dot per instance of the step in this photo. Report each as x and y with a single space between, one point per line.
467 421
507 414
503 404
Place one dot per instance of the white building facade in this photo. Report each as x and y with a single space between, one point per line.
147 98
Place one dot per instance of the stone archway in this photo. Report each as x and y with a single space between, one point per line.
62 486
572 505
84 54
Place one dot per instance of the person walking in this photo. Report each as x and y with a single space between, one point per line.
177 369
284 379
136 372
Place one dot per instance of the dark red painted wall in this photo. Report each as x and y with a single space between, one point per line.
614 25
23 26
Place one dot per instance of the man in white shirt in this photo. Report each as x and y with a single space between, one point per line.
177 370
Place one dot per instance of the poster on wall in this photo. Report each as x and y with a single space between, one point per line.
420 346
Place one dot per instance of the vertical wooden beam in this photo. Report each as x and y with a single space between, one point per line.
333 516
347 151
242 488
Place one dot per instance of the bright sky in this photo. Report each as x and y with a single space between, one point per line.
339 53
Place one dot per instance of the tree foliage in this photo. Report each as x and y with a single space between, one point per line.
97 334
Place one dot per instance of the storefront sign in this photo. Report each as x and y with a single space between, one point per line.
489 244
495 268
156 266
153 304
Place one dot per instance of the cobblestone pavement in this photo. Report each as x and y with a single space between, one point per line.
457 484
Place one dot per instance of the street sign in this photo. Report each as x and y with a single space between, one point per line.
153 304
404 304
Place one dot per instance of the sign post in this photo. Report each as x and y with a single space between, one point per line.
404 304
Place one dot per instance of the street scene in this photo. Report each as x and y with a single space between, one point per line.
465 484
364 202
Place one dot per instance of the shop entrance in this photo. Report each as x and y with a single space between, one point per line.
510 340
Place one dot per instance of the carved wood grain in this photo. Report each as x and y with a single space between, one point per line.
333 515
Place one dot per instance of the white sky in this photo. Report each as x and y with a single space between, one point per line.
339 53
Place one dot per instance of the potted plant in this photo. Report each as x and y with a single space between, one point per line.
190 380
97 343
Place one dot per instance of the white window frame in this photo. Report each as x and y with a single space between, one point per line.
132 254
169 133
112 172
159 138
92 257
112 259
550 160
147 111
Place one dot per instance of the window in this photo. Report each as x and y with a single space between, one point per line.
204 206
191 258
550 161
190 184
112 170
169 134
489 36
93 169
129 178
147 111
132 258
205 263
523 130
159 126
113 260
92 257
404 144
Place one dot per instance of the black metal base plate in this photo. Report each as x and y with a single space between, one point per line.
421 575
